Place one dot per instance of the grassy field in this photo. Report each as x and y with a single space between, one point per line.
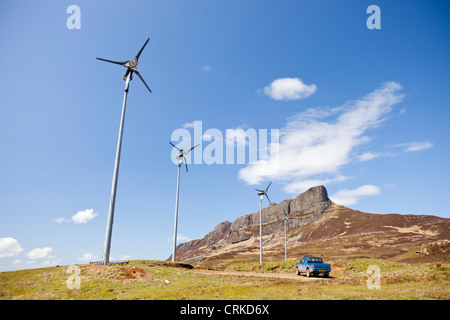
167 281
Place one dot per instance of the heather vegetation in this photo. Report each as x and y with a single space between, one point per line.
272 280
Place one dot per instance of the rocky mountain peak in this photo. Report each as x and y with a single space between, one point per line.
301 209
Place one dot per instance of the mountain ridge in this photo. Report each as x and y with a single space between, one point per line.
315 224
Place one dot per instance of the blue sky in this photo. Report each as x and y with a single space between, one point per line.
362 111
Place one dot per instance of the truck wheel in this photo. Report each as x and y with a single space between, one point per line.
297 271
325 275
308 273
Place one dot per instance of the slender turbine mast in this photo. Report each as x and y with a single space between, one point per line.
180 156
131 66
261 194
285 219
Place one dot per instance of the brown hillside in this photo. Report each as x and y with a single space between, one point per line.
317 226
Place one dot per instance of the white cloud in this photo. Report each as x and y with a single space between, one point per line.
238 136
415 146
79 217
50 262
347 197
87 257
180 239
373 155
206 68
315 144
39 253
289 89
9 247
84 216
407 147
302 185
368 156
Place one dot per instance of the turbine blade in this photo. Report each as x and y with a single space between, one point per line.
116 62
194 147
139 75
174 146
268 198
191 149
268 186
259 190
185 162
140 51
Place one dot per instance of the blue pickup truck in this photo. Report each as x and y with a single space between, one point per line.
313 266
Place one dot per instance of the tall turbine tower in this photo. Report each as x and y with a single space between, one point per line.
261 194
131 66
181 155
285 219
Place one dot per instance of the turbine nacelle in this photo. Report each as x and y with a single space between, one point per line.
182 154
263 193
286 216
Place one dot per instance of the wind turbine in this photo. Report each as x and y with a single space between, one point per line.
180 156
285 219
261 194
131 66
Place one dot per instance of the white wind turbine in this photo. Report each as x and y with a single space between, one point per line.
131 66
180 156
261 194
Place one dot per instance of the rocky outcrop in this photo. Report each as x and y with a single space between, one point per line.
318 226
301 210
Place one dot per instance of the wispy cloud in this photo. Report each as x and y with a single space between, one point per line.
188 125
315 144
237 135
415 146
366 156
87 257
406 147
180 239
80 217
289 89
347 197
206 68
298 186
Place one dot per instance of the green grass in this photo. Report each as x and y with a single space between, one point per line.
163 280
274 266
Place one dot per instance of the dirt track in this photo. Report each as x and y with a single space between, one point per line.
289 276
